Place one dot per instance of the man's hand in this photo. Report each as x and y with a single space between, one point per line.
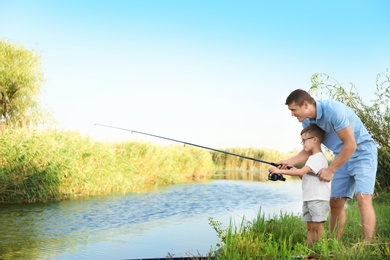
283 164
326 174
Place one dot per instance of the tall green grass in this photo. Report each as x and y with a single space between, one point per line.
41 166
284 237
51 165
229 162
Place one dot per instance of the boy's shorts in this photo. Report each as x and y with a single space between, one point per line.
355 176
315 210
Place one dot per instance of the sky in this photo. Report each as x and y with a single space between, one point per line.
214 73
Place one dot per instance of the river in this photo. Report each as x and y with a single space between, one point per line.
171 220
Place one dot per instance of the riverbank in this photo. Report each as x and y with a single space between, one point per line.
284 237
44 166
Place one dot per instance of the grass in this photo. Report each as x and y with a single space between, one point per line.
229 162
43 166
284 237
50 166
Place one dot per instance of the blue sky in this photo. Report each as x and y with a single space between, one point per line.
214 73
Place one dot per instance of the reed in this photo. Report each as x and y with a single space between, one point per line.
42 166
229 162
51 165
284 237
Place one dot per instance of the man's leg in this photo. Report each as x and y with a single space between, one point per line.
337 216
367 214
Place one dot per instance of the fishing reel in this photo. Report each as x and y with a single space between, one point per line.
276 177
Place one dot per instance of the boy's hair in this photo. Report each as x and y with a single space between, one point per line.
299 96
315 131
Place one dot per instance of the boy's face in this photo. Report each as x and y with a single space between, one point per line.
300 112
308 142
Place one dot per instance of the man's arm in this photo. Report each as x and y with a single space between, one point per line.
349 147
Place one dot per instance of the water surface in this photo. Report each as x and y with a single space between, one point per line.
172 220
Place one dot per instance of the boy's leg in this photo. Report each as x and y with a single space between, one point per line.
314 231
310 235
318 212
367 214
337 216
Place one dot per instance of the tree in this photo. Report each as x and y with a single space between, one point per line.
376 117
21 79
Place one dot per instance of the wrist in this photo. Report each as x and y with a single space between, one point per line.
333 170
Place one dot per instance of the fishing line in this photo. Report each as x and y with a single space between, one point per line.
242 217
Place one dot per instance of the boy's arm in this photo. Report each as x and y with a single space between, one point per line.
298 159
292 172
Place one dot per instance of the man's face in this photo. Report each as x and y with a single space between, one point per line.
298 111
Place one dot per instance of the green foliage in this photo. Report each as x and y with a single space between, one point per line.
50 165
229 162
220 229
376 117
21 79
284 236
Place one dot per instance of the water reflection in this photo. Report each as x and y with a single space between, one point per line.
246 175
170 220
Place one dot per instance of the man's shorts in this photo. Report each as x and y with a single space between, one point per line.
355 176
315 210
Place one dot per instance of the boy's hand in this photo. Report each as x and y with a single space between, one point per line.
274 170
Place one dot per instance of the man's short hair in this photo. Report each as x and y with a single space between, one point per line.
299 96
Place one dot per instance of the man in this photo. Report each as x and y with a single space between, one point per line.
353 170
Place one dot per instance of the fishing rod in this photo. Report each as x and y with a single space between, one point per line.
273 177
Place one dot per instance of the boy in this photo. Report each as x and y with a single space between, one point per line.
315 193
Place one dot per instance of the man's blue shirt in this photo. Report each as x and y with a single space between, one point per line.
333 116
